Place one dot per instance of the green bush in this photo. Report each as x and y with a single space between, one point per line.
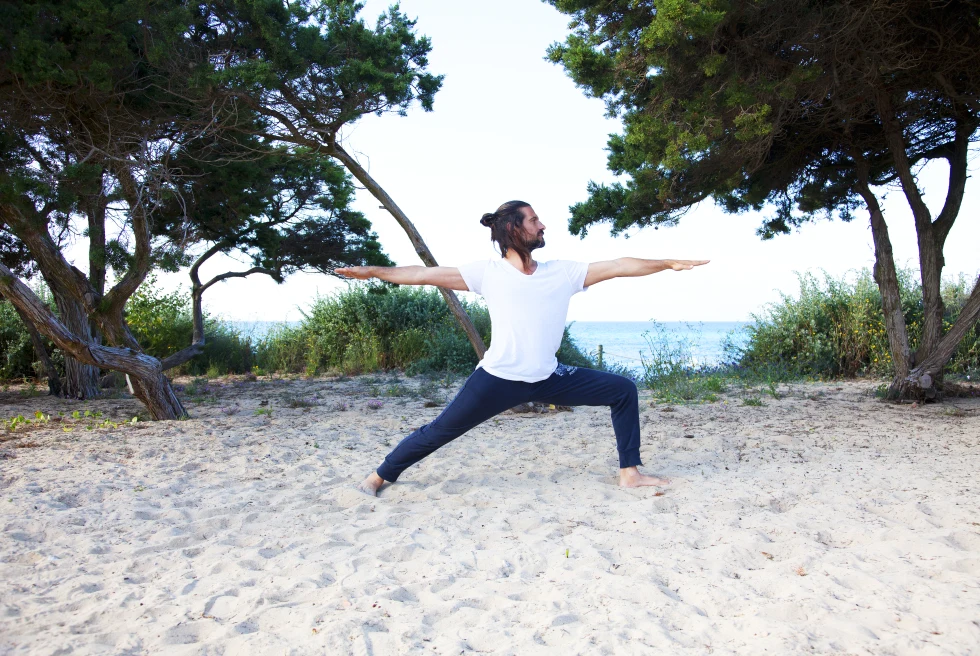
16 350
835 328
374 327
163 324
380 327
17 356
671 372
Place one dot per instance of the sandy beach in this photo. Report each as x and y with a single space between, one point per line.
821 522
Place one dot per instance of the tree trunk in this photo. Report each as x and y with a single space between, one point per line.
931 237
157 394
413 235
887 278
922 381
149 384
197 342
81 380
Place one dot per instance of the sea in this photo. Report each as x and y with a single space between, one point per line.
630 343
624 343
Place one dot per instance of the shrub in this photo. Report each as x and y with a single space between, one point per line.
162 324
17 356
16 350
381 327
671 371
374 327
835 328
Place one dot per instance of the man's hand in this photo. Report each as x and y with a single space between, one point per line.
686 265
359 272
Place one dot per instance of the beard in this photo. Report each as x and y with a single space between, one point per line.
537 242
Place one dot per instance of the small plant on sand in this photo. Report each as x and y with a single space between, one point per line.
753 401
264 411
304 401
398 390
197 387
31 390
772 390
340 406
374 404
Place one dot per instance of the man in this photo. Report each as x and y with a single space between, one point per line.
528 303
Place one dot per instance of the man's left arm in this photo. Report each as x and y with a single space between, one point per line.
630 267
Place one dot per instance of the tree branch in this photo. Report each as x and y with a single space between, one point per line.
413 235
41 317
957 185
237 274
116 298
50 260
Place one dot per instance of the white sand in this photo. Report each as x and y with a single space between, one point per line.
822 522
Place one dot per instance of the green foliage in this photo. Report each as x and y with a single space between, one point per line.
740 101
369 328
16 350
835 328
162 324
17 356
570 354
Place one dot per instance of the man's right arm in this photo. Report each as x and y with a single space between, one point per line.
448 277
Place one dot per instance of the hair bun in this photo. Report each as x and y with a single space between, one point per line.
488 219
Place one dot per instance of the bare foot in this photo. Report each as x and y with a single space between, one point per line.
371 484
631 477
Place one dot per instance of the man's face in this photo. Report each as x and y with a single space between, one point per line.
533 235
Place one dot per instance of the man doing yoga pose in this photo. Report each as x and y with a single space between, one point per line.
528 303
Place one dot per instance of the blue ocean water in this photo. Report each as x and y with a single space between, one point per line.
628 342
623 342
259 329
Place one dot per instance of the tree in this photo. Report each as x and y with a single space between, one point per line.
310 69
802 107
285 209
97 102
86 92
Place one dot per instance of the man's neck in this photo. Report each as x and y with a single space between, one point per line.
515 261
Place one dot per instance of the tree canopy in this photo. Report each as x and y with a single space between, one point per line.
797 107
768 103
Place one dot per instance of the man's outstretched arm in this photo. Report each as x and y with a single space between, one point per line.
448 277
629 267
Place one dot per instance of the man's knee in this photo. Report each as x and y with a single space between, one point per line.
626 388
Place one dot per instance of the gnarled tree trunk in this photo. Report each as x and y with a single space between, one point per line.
934 349
921 381
886 276
149 384
82 381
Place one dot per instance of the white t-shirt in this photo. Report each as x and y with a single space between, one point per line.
527 314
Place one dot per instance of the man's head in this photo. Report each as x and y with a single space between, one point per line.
515 226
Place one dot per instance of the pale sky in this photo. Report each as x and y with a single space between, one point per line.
509 125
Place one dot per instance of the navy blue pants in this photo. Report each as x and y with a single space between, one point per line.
484 395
